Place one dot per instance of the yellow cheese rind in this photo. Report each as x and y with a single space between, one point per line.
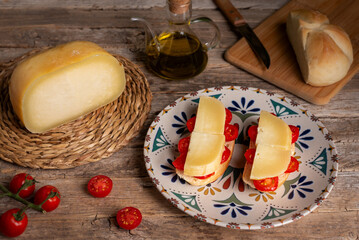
273 147
273 131
204 154
64 83
211 116
269 162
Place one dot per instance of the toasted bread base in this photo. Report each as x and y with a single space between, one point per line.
248 168
221 169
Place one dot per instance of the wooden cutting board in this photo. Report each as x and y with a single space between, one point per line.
284 71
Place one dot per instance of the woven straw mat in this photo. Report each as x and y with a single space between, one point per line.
90 138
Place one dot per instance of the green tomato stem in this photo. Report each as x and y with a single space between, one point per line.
20 199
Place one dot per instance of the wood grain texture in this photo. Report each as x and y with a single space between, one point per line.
25 25
284 71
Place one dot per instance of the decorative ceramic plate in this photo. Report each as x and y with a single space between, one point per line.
228 202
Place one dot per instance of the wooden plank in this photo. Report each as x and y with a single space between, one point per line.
284 71
133 4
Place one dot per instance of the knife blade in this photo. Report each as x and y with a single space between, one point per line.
241 27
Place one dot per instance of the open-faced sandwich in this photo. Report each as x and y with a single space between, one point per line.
269 159
206 153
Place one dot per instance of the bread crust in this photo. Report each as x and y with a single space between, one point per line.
324 51
219 172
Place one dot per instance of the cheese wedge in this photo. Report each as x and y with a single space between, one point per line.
273 147
64 83
204 153
211 116
273 131
269 162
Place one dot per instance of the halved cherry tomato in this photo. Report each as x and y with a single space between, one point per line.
18 180
42 194
293 165
230 132
12 225
100 186
183 144
206 176
226 154
129 218
179 162
267 184
252 132
228 116
190 123
249 155
295 133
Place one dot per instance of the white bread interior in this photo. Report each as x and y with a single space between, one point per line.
219 172
324 51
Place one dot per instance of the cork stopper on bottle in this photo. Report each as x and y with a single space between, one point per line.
179 6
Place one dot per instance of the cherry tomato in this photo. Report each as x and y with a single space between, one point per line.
226 154
249 155
228 116
230 132
295 133
190 123
206 176
252 132
42 194
293 165
19 180
267 184
179 162
129 218
99 186
12 225
183 144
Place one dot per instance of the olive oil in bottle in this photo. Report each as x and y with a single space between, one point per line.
181 56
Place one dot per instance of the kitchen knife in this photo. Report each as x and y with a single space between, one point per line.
242 28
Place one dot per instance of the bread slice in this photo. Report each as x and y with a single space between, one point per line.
219 172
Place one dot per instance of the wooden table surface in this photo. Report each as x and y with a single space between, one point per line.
29 24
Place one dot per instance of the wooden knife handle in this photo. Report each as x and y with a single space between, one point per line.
230 11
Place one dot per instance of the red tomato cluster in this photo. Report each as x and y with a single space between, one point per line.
14 221
129 217
230 133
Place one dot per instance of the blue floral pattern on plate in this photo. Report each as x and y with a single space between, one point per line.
228 202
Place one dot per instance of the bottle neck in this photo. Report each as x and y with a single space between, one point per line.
179 12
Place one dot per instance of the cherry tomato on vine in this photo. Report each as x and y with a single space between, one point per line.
252 132
100 186
191 123
267 184
12 225
18 180
52 203
228 116
129 218
295 133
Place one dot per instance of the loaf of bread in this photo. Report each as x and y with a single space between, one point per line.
324 51
63 83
